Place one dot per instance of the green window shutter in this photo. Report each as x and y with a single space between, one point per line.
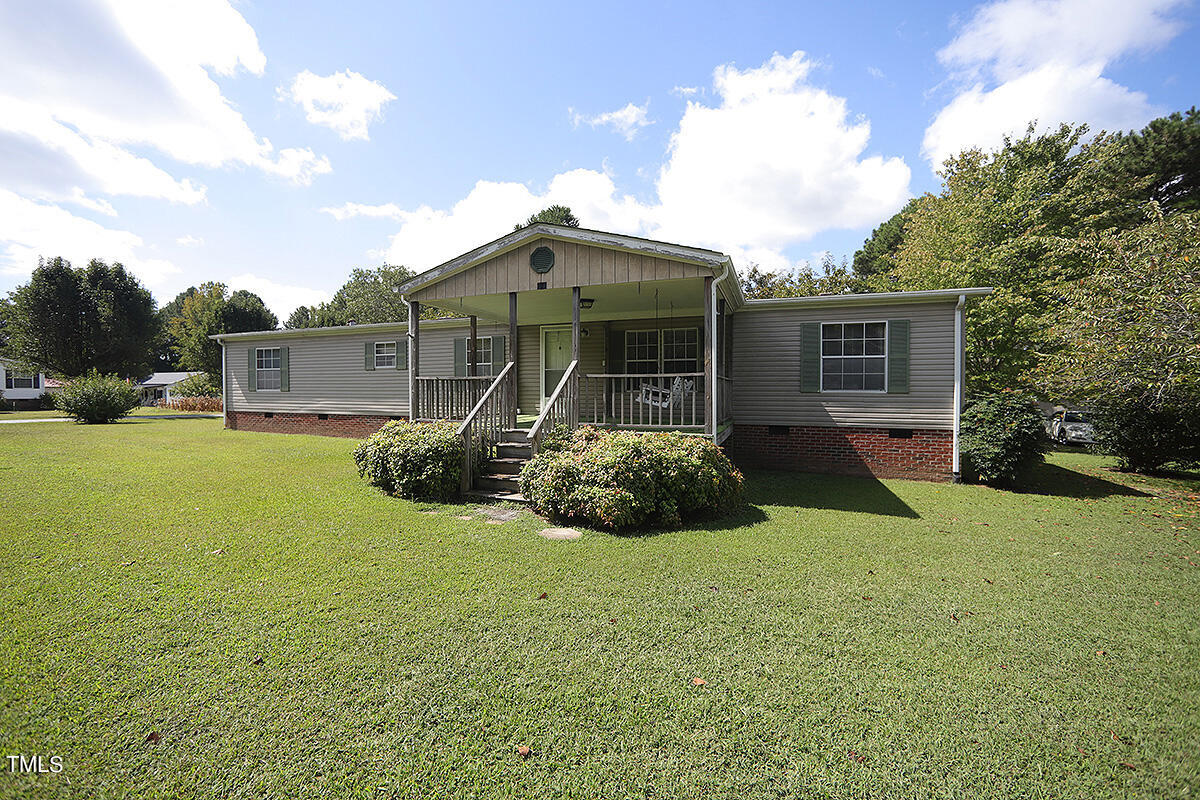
810 356
283 369
402 354
369 356
898 357
498 361
460 357
252 379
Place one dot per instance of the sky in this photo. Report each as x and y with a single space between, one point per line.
276 146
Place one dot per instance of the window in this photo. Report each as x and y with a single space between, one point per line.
641 352
15 380
853 356
267 363
385 355
483 355
680 347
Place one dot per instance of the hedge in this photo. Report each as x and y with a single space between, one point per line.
96 398
1002 436
416 460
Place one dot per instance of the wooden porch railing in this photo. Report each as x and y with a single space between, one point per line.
562 407
655 400
449 398
495 410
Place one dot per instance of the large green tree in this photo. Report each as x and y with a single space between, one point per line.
368 295
555 215
207 310
69 320
878 253
1161 163
833 278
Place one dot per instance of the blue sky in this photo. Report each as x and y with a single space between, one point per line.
274 146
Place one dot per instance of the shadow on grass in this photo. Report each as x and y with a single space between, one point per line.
827 492
1051 479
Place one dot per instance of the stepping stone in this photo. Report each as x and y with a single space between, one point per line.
500 514
560 533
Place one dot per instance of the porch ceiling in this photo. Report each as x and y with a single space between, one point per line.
638 300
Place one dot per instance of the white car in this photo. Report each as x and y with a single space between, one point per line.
1072 427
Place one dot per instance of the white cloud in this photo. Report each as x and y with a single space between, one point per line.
30 229
876 72
281 298
1017 61
189 241
685 91
345 102
774 163
626 121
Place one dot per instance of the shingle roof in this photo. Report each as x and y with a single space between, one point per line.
166 378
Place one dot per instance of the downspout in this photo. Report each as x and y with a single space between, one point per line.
715 344
959 329
224 386
408 354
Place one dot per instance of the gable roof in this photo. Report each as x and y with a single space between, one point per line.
166 378
712 259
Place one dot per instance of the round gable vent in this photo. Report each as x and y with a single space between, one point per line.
541 259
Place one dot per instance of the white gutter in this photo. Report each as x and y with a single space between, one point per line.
713 322
224 387
959 345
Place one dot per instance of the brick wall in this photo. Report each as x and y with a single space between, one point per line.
927 455
355 426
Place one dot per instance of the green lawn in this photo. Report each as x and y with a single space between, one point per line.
857 638
140 411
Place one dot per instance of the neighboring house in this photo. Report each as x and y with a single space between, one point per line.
572 326
24 389
157 388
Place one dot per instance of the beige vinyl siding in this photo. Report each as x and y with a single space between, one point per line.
327 372
574 265
766 370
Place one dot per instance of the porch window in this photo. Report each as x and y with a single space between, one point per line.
267 366
641 352
16 380
853 356
385 355
681 347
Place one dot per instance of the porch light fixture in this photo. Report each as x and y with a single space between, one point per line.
587 302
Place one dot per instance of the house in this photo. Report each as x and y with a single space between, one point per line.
157 388
565 326
23 389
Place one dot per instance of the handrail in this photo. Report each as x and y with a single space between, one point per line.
466 425
535 432
493 420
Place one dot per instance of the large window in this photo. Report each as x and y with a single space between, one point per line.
385 355
15 380
483 355
853 356
680 348
669 350
267 364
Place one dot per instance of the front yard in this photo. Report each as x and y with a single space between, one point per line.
192 612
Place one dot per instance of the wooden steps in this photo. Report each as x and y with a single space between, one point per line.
499 478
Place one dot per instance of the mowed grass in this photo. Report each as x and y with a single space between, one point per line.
287 631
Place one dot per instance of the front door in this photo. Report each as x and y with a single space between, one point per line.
556 357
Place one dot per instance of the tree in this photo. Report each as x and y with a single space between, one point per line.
878 253
1164 161
246 311
555 215
834 278
998 222
167 350
301 317
1129 339
69 321
200 317
368 295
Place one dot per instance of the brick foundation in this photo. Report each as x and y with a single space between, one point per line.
927 455
355 426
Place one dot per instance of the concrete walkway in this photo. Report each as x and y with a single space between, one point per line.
148 417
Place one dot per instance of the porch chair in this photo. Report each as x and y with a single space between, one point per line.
661 397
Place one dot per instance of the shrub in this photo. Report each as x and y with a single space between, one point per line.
1147 433
192 404
1002 437
199 385
624 480
96 398
417 460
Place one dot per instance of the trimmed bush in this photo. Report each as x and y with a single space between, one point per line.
198 385
1148 433
416 460
622 480
97 398
1002 437
192 404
